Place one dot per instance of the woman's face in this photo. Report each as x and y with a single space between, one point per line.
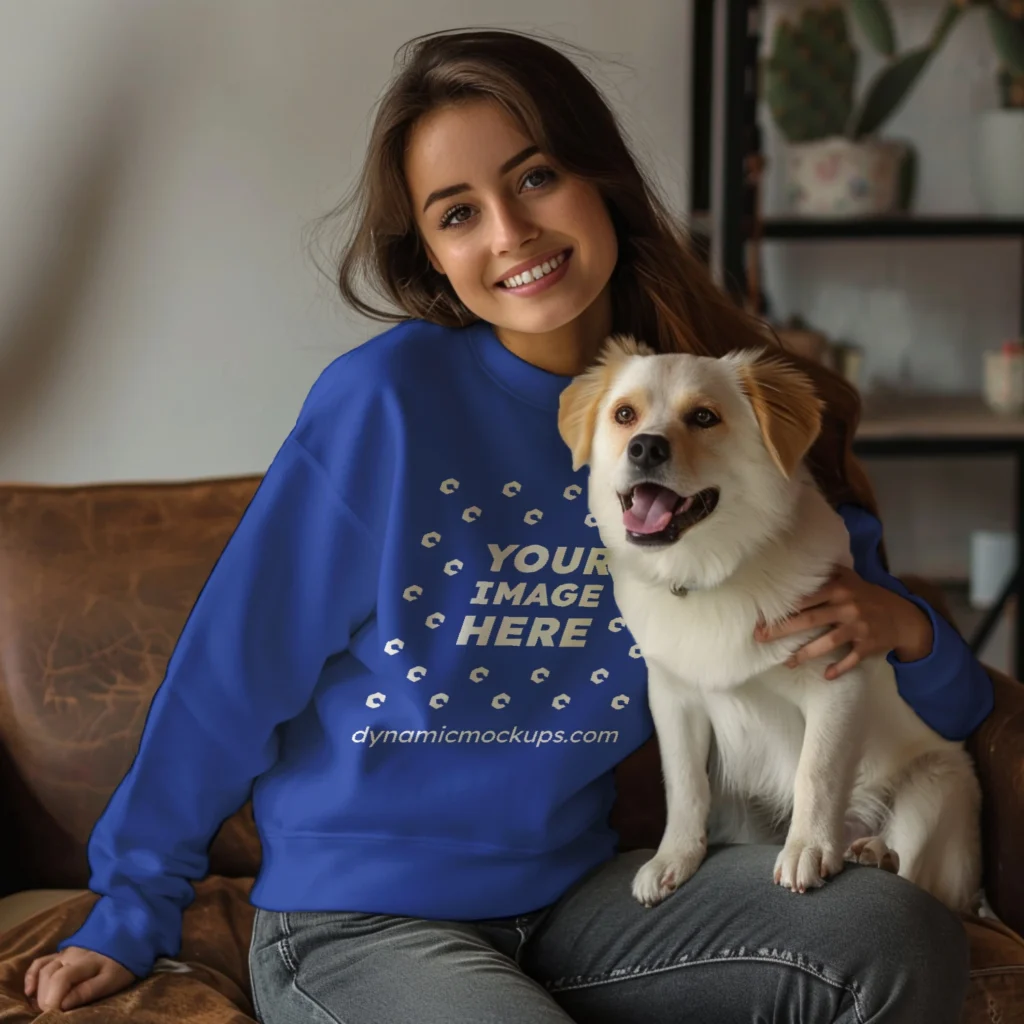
489 205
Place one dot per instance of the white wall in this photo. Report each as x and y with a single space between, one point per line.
159 317
923 310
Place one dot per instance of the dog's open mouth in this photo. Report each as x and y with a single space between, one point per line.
653 514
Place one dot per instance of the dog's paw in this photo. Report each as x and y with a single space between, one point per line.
871 850
803 865
665 872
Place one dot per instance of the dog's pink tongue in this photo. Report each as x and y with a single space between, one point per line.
651 510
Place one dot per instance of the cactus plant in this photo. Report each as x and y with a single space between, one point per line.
810 75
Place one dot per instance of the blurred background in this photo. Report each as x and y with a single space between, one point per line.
854 171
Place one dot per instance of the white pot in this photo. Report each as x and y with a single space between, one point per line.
837 177
999 162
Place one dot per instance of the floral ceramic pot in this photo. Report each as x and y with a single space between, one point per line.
837 177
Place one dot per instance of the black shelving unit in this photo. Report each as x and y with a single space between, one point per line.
827 229
729 31
726 133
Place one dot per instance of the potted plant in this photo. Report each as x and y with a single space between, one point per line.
999 156
836 164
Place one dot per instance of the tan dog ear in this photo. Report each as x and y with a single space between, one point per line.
579 402
577 412
787 408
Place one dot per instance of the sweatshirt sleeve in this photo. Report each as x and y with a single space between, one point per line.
293 584
948 688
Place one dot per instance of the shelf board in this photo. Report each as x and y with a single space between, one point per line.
899 226
908 415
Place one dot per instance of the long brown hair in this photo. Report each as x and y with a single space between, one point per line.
661 292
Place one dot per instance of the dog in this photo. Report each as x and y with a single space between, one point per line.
712 522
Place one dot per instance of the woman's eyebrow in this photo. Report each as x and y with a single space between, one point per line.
451 190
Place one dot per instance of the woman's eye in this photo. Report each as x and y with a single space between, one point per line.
545 173
460 214
703 417
449 216
624 414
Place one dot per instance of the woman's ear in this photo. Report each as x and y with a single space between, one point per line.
787 409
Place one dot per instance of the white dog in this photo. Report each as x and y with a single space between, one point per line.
711 519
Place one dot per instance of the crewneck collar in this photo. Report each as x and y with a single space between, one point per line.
530 383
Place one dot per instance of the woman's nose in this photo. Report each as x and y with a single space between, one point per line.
512 227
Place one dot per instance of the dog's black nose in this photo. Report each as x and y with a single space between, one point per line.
649 450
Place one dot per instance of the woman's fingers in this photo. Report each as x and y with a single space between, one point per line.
821 615
74 977
822 645
57 979
90 989
841 667
32 974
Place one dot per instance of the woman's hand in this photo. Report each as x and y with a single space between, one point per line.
871 618
74 977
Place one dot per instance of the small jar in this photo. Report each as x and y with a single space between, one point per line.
1004 379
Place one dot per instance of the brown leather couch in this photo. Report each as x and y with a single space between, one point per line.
95 585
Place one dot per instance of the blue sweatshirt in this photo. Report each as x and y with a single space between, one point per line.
410 657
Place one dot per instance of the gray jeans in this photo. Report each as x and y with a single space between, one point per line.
727 946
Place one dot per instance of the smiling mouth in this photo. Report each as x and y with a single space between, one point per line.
561 258
653 514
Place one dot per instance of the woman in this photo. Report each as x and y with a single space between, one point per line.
410 654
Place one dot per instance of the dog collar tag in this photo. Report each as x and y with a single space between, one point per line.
679 590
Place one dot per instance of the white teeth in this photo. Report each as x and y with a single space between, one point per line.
535 273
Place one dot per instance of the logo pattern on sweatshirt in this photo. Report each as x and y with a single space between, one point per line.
559 611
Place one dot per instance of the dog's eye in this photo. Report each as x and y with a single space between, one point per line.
703 418
624 414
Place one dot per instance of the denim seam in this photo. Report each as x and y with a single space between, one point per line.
288 956
284 945
624 975
252 983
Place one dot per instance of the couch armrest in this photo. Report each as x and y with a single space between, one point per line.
997 746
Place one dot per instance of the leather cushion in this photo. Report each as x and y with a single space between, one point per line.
95 586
